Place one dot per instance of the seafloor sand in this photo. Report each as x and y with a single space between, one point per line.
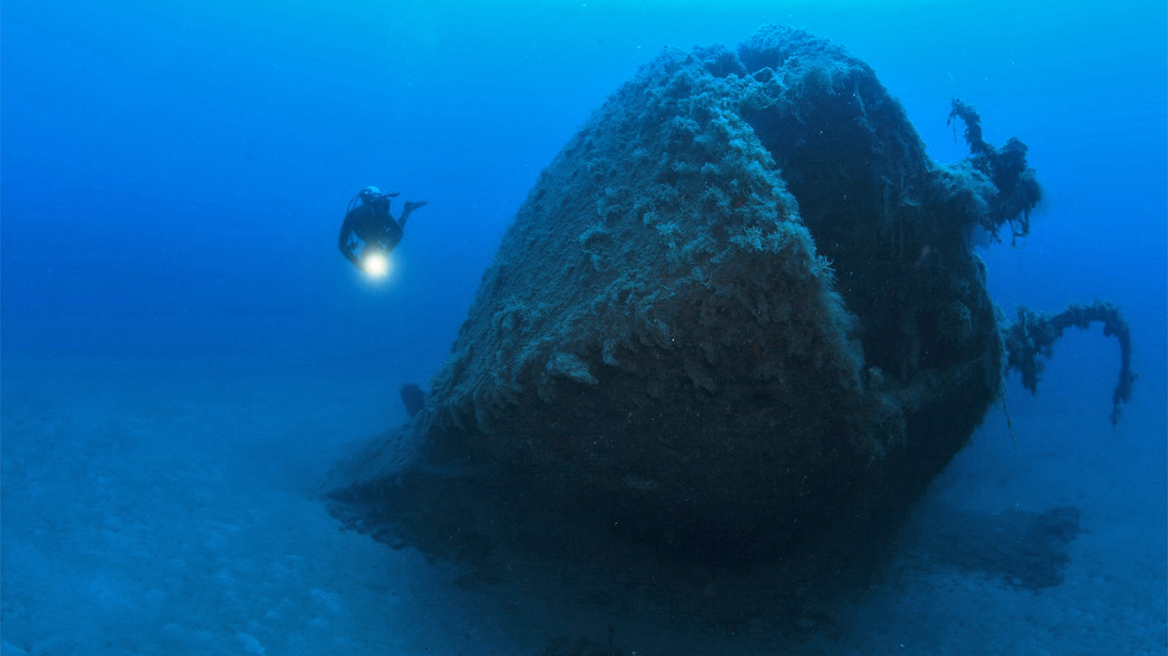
166 508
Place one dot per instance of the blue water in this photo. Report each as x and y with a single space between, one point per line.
184 351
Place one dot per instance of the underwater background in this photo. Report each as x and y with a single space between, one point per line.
183 351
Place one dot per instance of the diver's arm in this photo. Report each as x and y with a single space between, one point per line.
346 249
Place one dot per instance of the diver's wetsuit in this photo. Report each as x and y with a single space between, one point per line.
369 219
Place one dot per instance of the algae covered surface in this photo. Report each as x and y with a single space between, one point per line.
738 317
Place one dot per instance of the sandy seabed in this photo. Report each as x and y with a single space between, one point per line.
170 508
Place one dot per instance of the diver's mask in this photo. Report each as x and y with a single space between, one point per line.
369 194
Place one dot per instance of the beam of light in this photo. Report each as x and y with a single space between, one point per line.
375 265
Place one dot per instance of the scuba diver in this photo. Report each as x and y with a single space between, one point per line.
367 218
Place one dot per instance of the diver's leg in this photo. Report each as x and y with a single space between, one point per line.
410 206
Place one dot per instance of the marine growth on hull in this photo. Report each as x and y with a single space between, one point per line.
738 314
